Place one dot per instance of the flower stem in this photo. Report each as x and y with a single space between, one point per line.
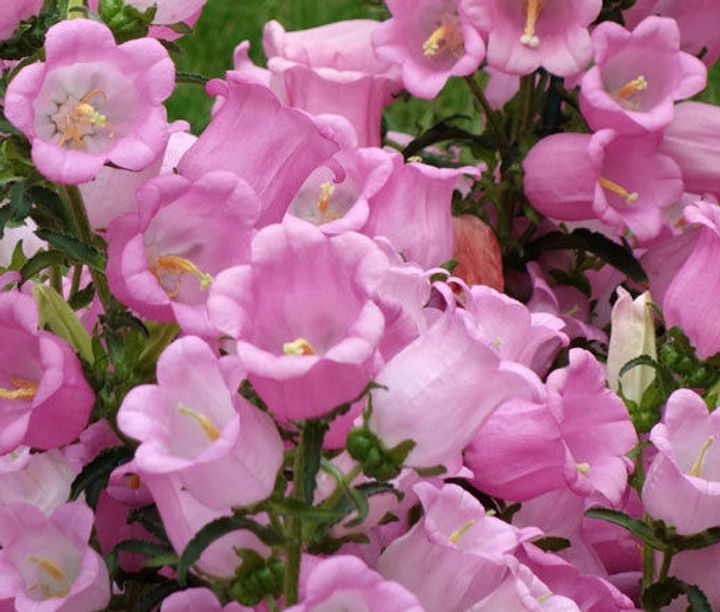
295 528
665 567
84 232
492 119
342 486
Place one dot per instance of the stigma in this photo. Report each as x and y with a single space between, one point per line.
299 346
209 428
24 389
533 8
612 186
583 468
81 120
170 269
700 461
447 36
456 535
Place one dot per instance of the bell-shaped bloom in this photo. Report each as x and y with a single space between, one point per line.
590 593
307 330
522 590
338 207
440 388
194 424
456 554
193 600
333 69
477 252
522 36
632 334
344 582
432 40
15 11
690 298
45 401
638 76
183 515
92 101
686 466
40 479
515 333
578 439
46 562
623 181
162 258
271 147
413 211
696 19
112 192
690 140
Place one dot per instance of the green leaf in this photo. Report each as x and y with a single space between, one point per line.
82 298
154 550
294 507
696 541
659 595
215 530
637 528
552 543
94 476
40 261
125 21
75 249
618 256
57 314
49 201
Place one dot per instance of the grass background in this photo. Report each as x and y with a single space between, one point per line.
225 23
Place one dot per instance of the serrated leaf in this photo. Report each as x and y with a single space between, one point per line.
214 531
141 547
82 298
552 543
637 528
40 261
94 476
294 507
50 201
75 249
697 599
697 541
56 313
180 27
614 254
659 595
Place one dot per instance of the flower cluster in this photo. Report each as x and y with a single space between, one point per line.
306 360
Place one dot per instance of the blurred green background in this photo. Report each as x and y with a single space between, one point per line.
225 23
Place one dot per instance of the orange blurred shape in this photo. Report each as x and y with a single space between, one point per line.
477 252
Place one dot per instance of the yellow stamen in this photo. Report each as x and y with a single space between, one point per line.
133 481
210 429
632 87
298 347
84 114
432 45
25 389
49 567
583 468
326 192
544 597
171 264
533 8
571 312
456 535
498 342
630 198
698 465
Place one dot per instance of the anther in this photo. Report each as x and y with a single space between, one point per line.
24 389
583 468
632 87
533 9
208 427
173 265
630 198
327 190
300 346
456 535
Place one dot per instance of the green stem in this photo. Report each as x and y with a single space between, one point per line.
77 274
85 233
492 119
665 567
191 78
272 605
295 527
522 119
342 486
56 279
